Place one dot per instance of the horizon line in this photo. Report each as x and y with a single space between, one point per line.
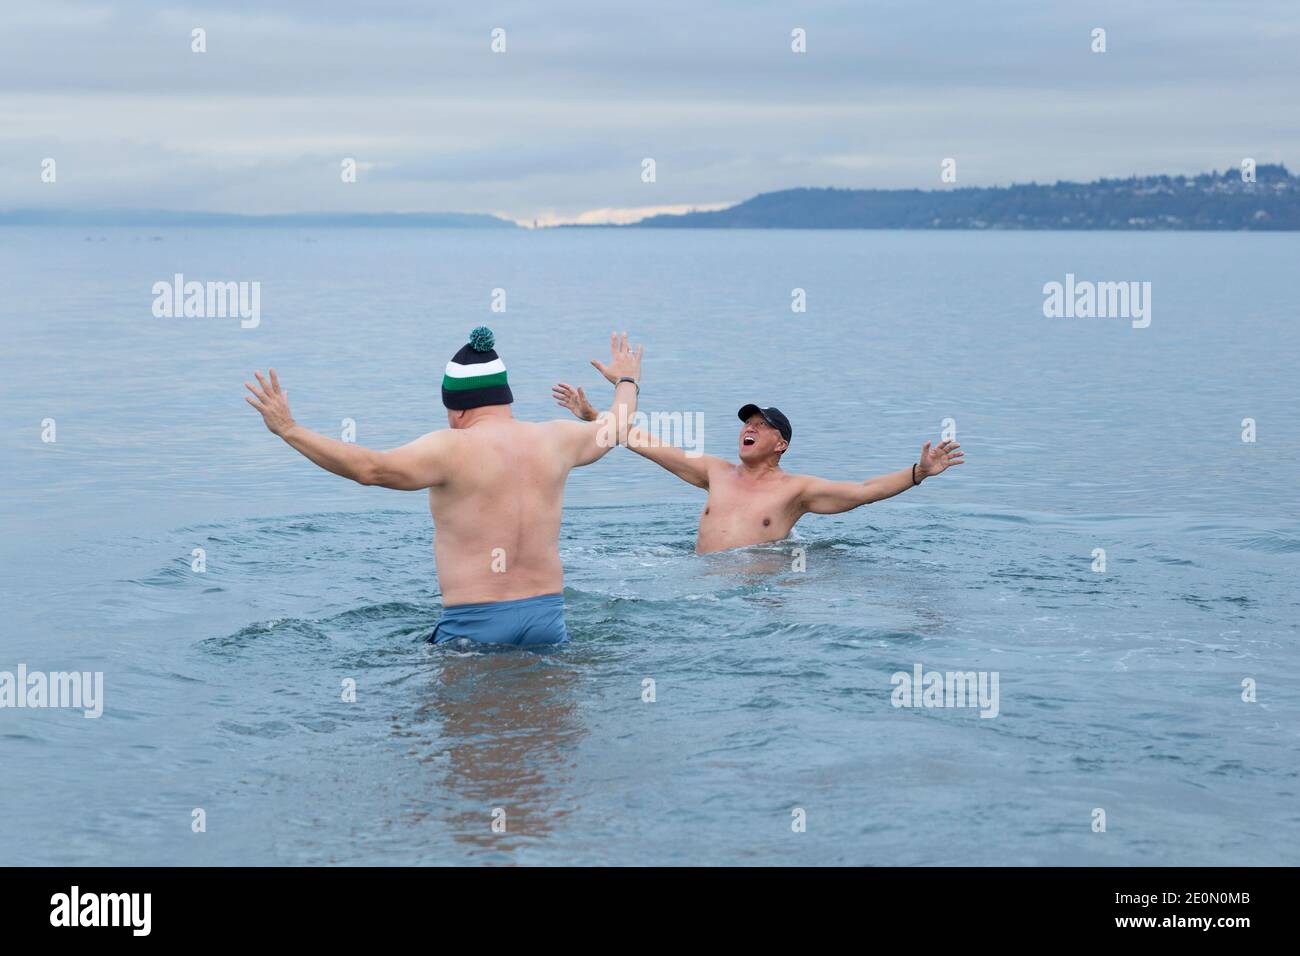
600 216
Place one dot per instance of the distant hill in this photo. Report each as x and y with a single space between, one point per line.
1207 201
164 218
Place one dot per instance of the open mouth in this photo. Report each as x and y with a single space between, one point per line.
747 440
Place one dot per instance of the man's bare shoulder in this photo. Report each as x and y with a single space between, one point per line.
440 439
441 445
562 425
801 485
560 431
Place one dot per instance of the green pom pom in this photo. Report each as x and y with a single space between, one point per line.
481 339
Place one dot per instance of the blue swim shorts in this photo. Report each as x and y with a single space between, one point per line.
527 622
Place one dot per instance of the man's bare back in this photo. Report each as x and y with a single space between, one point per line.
495 485
497 512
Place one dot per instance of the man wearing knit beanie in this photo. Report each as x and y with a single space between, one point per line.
495 485
476 376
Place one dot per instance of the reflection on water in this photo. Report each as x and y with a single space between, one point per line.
757 565
508 723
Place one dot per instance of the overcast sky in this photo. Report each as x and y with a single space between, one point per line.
557 126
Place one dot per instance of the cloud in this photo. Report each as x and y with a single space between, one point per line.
620 215
558 125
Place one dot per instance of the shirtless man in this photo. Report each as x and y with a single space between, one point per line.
755 502
495 488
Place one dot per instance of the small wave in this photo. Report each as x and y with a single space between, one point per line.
284 632
1007 518
173 575
386 612
1272 542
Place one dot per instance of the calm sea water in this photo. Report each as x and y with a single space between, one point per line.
1119 690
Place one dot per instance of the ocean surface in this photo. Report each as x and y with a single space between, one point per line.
772 736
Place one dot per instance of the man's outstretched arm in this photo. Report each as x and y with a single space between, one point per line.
412 467
824 497
694 470
604 430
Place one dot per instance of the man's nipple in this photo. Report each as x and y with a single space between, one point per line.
766 522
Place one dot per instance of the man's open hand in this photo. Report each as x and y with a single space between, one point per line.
939 458
623 362
272 402
575 400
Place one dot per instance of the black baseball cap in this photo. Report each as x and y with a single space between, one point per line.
773 416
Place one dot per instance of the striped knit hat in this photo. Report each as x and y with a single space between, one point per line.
476 376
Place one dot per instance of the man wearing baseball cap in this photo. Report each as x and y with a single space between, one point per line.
756 501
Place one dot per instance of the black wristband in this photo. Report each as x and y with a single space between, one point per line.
628 378
914 481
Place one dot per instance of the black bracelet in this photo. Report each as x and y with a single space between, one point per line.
914 481
628 378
